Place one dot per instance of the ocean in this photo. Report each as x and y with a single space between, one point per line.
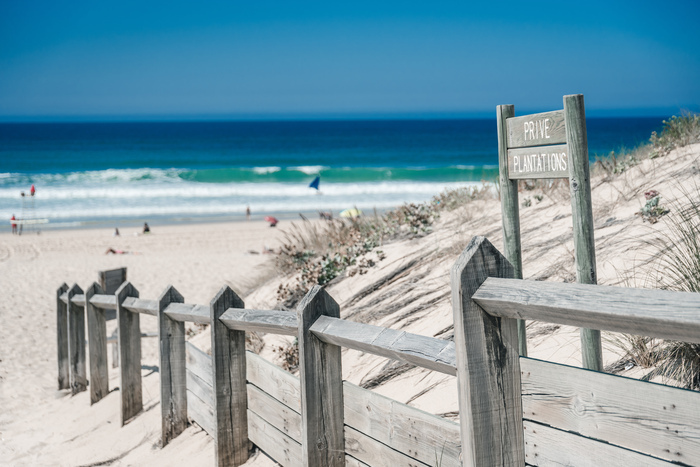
89 174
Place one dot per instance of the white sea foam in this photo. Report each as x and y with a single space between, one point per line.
266 170
309 169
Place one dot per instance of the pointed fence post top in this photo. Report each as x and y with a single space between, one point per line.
315 303
74 290
62 289
94 289
169 295
125 290
479 260
226 298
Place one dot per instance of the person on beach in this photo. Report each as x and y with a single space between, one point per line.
247 213
116 252
146 229
14 224
116 232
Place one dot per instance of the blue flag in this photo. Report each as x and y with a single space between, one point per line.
315 183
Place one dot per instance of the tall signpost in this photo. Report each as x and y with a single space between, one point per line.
550 145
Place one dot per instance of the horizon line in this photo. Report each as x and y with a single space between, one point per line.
654 112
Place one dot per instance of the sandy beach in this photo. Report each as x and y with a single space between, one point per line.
42 426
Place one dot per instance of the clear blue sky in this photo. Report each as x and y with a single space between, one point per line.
170 59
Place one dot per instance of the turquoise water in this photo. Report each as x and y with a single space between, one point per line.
88 172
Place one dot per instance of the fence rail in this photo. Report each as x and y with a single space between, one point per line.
514 410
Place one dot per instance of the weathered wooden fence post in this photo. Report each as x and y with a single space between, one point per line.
230 393
97 345
321 379
76 342
510 211
582 210
129 338
488 367
173 376
62 339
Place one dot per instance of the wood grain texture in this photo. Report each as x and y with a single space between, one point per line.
280 447
374 453
199 314
427 352
105 302
199 362
76 343
97 346
488 372
229 369
510 210
582 213
129 335
111 280
533 129
272 321
201 388
285 419
398 426
173 372
546 446
405 429
62 353
352 462
650 418
278 383
138 305
644 312
538 162
321 380
200 392
201 413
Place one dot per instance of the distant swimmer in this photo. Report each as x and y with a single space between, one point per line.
247 213
146 229
14 224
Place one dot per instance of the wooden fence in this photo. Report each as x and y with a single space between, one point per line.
514 410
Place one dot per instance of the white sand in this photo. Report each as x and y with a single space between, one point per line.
41 426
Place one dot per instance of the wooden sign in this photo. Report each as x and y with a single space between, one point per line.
547 128
539 162
537 146
549 145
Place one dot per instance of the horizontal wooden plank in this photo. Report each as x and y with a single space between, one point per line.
376 454
276 382
546 446
199 363
201 413
536 129
186 312
650 418
202 388
105 302
645 312
406 429
139 305
115 337
539 162
280 447
272 321
285 419
427 352
352 462
78 299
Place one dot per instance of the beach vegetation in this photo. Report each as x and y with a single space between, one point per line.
677 268
678 131
652 211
